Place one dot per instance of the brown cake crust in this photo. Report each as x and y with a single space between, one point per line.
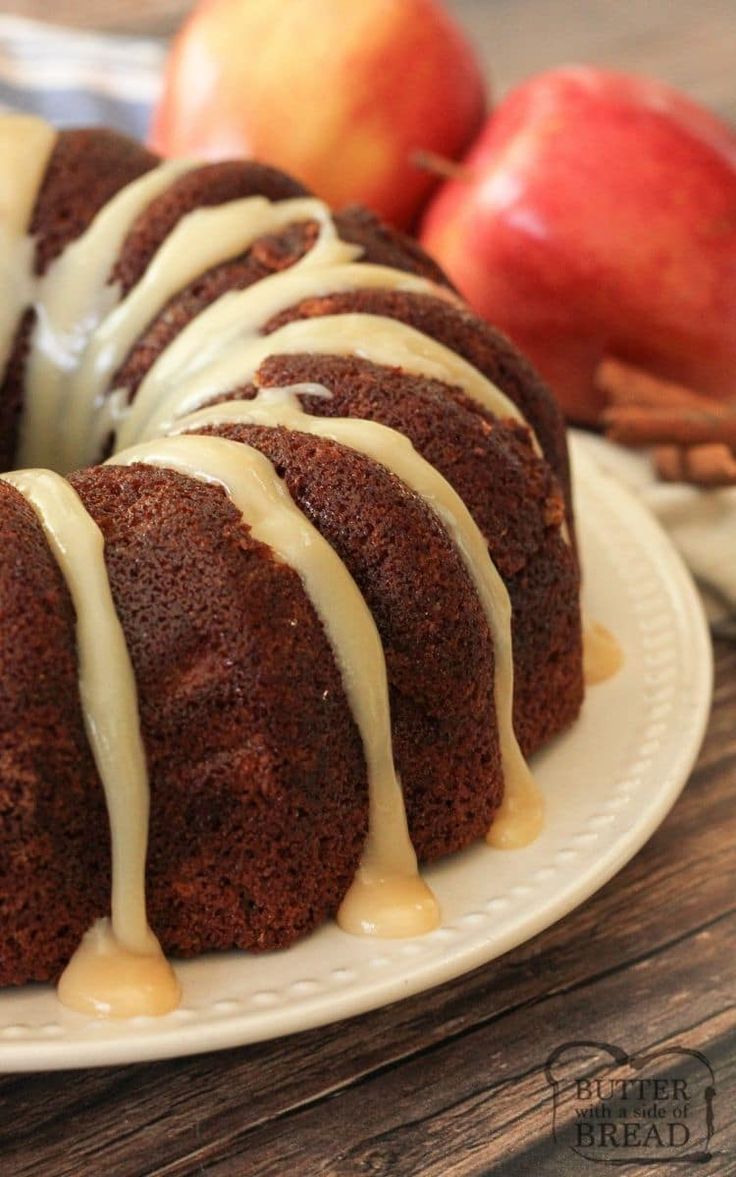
510 492
259 796
54 840
457 328
203 187
383 245
258 788
444 320
269 254
439 653
86 168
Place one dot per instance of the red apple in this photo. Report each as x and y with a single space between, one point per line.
596 215
339 93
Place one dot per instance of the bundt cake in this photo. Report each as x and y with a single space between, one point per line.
315 503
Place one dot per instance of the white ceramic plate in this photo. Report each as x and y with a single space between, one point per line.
608 784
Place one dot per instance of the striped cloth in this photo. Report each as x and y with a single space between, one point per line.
79 79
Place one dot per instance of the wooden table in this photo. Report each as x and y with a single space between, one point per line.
452 1082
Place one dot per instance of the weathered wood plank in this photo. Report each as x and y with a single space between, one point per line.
418 1118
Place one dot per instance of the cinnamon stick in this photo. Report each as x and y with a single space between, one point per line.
694 436
702 465
633 425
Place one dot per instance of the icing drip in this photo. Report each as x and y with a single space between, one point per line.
388 898
84 330
119 969
71 300
519 819
108 980
26 144
243 314
201 240
370 337
602 655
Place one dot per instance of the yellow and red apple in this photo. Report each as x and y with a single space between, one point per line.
339 93
596 216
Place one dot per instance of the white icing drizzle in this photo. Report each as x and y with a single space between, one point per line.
71 301
519 820
26 144
243 314
200 241
370 337
110 709
400 904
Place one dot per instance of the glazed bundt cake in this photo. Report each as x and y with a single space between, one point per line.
316 504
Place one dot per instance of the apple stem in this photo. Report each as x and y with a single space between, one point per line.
440 165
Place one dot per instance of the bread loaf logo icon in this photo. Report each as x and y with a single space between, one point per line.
615 1108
